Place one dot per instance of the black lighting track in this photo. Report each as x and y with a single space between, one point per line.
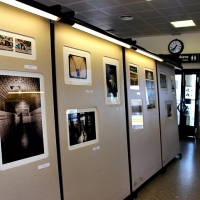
54 10
166 60
66 18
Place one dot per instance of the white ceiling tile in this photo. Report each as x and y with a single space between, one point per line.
155 20
139 7
187 2
163 3
193 8
172 11
149 17
117 10
102 3
80 7
94 14
147 14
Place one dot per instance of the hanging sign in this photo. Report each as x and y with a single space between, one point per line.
189 58
183 58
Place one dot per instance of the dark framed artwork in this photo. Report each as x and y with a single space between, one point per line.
16 45
134 82
82 127
111 81
169 109
23 119
173 83
150 89
163 81
77 67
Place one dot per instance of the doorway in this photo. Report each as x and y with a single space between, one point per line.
187 95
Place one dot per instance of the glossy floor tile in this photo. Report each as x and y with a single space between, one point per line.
182 178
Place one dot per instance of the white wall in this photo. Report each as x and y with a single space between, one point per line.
159 45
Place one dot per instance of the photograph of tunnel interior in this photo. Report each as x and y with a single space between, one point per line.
21 117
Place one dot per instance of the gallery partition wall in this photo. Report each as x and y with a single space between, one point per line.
143 109
28 149
168 112
91 115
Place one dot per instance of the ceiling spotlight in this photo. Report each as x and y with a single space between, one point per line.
126 17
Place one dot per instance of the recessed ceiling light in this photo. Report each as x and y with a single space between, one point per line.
126 17
185 23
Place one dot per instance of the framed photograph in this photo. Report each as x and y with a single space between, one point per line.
169 109
15 45
150 89
163 81
23 46
111 81
82 127
77 67
137 114
134 83
173 83
23 119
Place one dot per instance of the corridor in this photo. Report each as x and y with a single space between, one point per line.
23 142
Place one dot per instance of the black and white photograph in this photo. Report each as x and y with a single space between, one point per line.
163 80
134 82
16 45
77 67
23 122
169 109
6 43
149 75
150 89
137 114
173 83
111 81
82 127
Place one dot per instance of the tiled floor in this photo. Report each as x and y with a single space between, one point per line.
181 180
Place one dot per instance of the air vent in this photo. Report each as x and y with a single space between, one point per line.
111 31
126 17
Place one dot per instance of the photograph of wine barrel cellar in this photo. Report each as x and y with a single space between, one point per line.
21 125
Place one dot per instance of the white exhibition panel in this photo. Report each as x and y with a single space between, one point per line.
145 140
32 176
94 165
168 112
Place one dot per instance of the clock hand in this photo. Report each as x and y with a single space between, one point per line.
174 48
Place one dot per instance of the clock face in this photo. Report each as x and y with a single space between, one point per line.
175 46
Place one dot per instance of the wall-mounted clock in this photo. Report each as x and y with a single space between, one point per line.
176 46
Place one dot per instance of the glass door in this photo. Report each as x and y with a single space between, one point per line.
187 86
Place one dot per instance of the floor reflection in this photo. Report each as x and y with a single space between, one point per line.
182 178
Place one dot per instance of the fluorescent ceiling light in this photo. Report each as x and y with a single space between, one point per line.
149 55
95 33
186 23
31 9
